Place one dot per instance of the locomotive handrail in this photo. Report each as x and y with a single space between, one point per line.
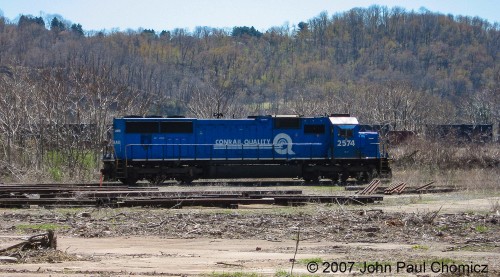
225 147
208 144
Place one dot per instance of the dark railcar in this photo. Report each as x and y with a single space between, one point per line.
461 133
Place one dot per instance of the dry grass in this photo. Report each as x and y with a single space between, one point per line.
436 155
494 206
478 179
467 166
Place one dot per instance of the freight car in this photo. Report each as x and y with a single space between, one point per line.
185 149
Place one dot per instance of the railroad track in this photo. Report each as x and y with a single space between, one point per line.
48 195
204 183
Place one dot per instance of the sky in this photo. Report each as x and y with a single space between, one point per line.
121 15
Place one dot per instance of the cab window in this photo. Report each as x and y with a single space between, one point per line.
345 133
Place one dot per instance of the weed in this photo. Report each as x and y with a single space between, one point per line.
233 274
284 273
479 248
56 173
419 247
281 273
311 260
443 228
481 228
61 165
42 227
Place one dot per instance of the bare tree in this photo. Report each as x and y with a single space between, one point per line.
482 107
206 101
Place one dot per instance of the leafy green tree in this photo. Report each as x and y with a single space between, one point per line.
303 27
26 20
165 35
245 31
149 33
77 29
56 25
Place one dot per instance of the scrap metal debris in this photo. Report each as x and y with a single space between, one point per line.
30 247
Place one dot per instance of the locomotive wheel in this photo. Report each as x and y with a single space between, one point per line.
157 180
311 179
185 180
128 181
343 178
335 179
362 178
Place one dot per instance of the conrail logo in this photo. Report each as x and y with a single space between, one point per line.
283 144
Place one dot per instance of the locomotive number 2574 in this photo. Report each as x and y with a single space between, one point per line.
345 142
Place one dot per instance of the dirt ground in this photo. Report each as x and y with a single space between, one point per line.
406 235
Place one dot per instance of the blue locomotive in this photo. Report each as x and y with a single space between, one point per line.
185 149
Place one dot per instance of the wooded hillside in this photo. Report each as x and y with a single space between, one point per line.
385 66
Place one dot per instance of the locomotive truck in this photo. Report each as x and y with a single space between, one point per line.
185 149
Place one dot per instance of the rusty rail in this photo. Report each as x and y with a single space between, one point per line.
371 187
395 188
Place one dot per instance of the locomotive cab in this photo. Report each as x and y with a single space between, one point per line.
356 154
345 140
